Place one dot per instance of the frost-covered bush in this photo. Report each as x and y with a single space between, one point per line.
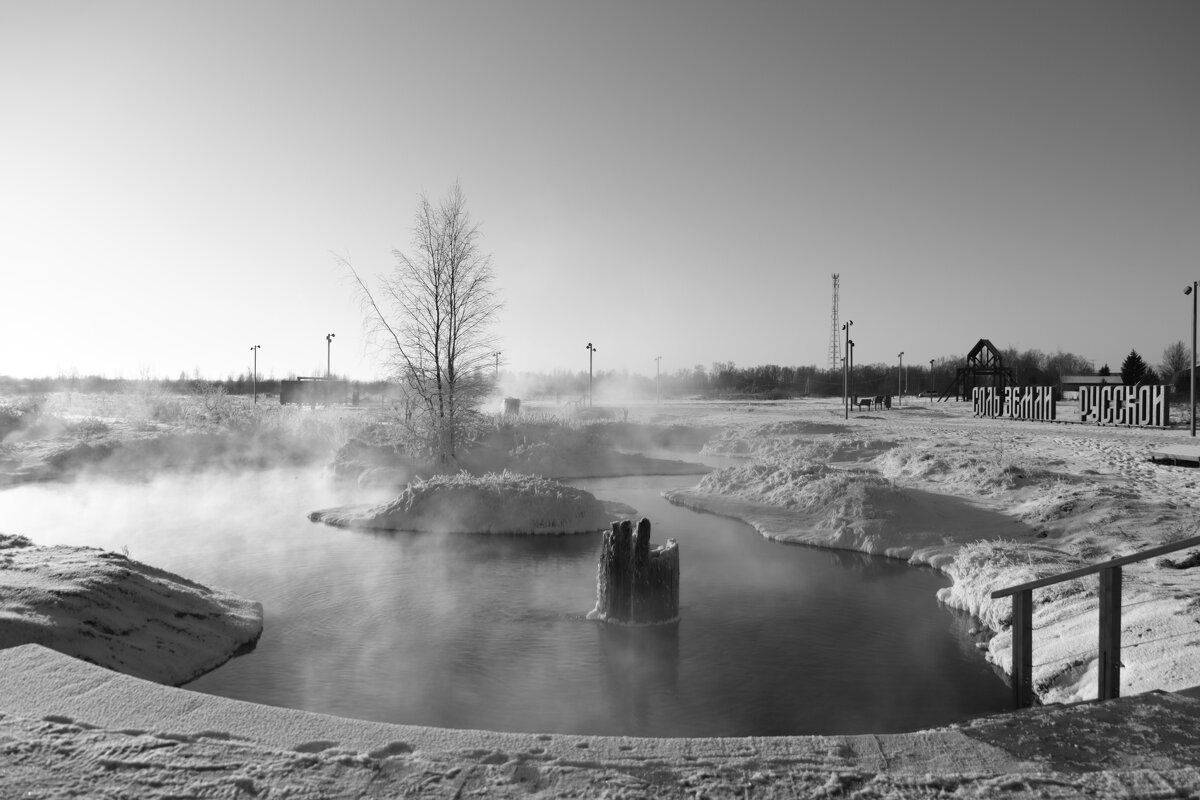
26 419
91 427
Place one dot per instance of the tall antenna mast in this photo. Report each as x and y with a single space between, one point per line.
834 331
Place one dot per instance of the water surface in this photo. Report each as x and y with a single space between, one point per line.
489 631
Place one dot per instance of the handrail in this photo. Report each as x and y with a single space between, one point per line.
1183 544
1110 621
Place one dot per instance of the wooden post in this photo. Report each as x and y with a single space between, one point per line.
1110 634
635 584
622 571
640 574
1022 637
663 589
604 574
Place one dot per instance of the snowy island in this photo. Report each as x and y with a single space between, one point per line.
494 503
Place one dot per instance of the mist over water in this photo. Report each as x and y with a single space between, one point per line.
489 631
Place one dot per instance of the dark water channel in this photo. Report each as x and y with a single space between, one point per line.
489 632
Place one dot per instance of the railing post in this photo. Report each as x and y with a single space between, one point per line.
1022 638
1109 680
1110 634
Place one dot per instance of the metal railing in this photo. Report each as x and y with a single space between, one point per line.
1110 621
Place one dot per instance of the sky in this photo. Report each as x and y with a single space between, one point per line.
665 178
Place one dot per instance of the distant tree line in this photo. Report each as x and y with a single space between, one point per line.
95 384
724 379
720 380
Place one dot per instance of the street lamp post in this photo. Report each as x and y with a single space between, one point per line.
591 352
1193 292
846 370
850 345
658 379
497 355
900 381
328 348
931 390
254 375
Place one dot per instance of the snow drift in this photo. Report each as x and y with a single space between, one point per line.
493 503
113 611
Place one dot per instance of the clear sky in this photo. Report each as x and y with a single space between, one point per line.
659 178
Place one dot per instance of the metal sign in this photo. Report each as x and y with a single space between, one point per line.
1144 406
1014 402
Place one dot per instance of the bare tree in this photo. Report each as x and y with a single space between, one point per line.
433 315
1175 362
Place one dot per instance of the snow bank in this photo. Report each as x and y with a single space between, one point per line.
992 503
799 502
71 729
116 612
549 450
592 461
493 503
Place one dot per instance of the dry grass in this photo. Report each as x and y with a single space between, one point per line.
48 436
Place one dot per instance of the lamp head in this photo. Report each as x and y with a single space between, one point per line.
1188 290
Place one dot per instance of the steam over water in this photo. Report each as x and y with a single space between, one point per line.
489 632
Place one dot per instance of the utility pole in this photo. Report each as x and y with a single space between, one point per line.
900 381
254 377
850 353
1192 290
591 352
846 369
931 387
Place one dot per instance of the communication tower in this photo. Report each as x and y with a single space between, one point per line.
835 339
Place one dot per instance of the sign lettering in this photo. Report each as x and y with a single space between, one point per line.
1014 402
1145 406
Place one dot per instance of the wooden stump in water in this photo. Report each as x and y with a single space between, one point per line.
662 590
635 584
604 578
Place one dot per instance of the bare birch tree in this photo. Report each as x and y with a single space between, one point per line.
433 317
1176 360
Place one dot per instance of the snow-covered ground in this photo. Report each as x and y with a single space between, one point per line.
990 502
113 611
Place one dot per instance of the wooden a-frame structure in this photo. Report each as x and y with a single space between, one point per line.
985 367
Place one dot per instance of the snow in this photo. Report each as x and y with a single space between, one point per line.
992 503
493 503
70 728
989 502
119 613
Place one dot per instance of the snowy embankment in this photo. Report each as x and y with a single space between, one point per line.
72 729
113 611
991 503
494 503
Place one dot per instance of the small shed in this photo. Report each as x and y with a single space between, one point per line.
1069 385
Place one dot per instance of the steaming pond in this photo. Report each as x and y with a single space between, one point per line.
489 632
